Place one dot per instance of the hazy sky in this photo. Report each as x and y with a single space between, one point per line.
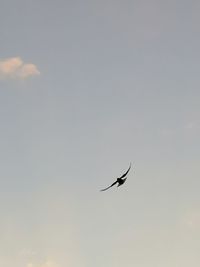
85 88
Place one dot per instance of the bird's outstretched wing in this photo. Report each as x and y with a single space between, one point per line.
126 172
108 186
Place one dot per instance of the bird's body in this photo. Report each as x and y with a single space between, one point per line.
121 180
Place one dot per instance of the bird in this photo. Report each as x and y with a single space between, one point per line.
121 180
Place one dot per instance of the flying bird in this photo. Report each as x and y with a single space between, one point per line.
119 180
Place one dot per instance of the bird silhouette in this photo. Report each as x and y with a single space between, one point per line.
119 180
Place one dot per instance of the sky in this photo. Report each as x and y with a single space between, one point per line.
86 87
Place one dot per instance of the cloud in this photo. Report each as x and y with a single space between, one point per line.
15 68
167 132
192 219
48 263
193 125
27 253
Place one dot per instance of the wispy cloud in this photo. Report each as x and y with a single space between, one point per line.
193 125
192 219
186 128
27 253
45 264
15 68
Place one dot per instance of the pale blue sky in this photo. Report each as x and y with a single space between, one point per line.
119 82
